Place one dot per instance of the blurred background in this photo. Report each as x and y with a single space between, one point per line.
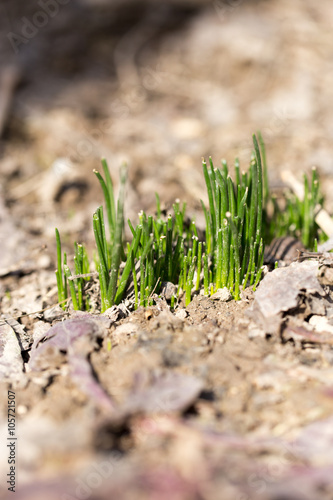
158 85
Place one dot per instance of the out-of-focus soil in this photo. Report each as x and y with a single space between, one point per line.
160 85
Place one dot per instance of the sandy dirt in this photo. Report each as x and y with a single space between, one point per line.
218 400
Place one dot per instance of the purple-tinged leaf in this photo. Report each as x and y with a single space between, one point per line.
63 336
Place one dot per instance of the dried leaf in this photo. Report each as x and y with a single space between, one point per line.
64 335
72 340
280 289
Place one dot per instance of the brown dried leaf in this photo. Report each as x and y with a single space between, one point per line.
280 289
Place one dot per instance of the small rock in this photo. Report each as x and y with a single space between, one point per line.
53 314
181 313
168 290
255 331
222 294
320 324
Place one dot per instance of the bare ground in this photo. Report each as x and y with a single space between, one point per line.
211 402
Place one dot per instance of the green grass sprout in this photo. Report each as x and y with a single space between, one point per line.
60 275
295 216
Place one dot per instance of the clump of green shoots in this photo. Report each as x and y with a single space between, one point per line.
65 279
168 252
293 215
298 216
160 251
168 249
109 251
234 242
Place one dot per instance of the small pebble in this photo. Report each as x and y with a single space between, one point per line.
222 294
181 314
54 313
